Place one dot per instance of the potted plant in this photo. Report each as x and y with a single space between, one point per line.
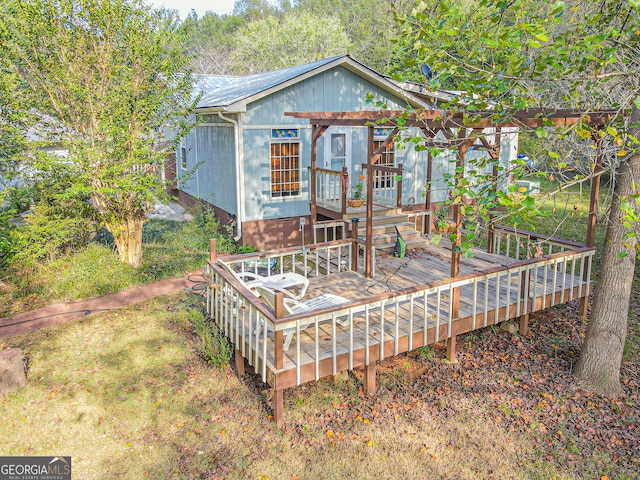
356 199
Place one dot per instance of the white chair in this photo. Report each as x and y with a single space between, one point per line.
288 283
293 306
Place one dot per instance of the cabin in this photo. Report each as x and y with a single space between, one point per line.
301 313
251 159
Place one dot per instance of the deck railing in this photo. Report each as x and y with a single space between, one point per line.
387 184
240 315
330 189
522 245
361 332
421 220
329 230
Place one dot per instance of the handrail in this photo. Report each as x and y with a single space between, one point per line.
330 225
541 236
331 189
446 282
427 309
390 194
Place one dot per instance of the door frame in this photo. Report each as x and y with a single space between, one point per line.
348 137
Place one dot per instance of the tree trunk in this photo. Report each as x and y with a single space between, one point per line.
128 239
598 368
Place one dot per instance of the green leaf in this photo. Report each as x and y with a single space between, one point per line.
623 254
542 37
541 132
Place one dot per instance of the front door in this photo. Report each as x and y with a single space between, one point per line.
337 154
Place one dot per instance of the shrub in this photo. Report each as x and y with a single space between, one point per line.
214 347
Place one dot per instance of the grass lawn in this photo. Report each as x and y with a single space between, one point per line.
170 249
127 395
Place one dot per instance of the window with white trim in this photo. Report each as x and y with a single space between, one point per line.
285 169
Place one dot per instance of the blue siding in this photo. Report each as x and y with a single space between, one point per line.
213 148
337 89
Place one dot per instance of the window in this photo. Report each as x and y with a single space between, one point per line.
285 169
183 157
338 151
383 179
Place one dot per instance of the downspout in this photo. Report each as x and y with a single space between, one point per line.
240 167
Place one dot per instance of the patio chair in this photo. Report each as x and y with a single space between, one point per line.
287 282
293 306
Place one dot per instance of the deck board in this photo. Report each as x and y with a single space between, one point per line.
330 351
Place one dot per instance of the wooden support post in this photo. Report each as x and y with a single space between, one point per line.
524 325
451 350
426 229
457 220
399 188
344 184
278 405
354 245
369 230
213 254
495 155
316 132
239 362
279 334
593 215
278 393
370 378
524 293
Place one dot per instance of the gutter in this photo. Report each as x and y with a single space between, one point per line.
240 167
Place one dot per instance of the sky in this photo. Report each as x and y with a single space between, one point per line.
200 6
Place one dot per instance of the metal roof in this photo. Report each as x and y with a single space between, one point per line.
231 93
221 92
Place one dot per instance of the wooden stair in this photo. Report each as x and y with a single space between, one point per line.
384 223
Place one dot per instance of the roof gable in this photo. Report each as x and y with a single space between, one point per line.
234 93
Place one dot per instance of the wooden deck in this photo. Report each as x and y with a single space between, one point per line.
410 302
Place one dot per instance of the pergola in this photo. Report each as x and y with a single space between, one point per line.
461 130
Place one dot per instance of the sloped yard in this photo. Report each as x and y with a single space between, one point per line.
128 395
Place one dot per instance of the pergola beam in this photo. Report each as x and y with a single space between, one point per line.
441 119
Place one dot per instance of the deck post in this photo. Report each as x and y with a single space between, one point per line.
524 293
370 378
426 228
451 349
399 188
523 327
278 404
279 334
369 229
213 255
457 220
239 360
316 132
344 183
495 155
593 217
354 245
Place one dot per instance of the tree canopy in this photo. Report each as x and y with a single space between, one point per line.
576 54
296 38
110 76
